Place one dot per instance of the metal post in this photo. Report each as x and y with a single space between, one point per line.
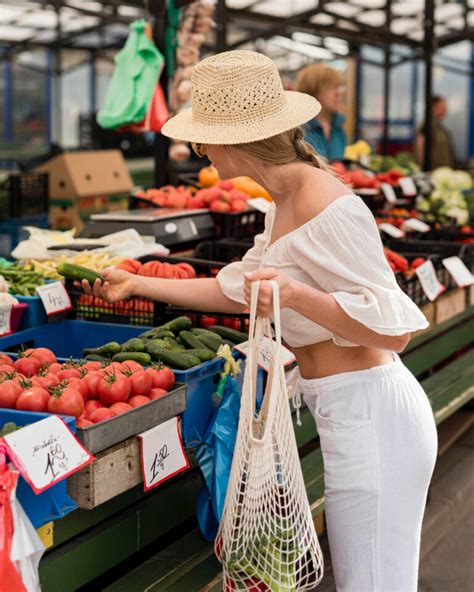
57 119
8 131
358 93
428 47
470 146
386 82
221 34
93 82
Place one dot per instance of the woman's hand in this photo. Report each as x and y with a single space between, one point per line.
118 285
265 295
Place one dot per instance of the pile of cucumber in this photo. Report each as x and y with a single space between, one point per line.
176 344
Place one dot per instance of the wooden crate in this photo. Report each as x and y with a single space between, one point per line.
113 472
449 305
429 311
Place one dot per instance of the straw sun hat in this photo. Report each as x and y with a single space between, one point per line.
238 97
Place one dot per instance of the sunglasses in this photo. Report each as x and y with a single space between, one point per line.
199 149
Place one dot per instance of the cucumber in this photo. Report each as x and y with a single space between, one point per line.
177 325
180 361
109 349
148 334
141 357
97 358
133 345
163 334
203 354
173 345
79 273
229 334
191 341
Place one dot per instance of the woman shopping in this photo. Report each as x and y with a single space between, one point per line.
342 312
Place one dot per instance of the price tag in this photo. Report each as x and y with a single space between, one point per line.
391 230
417 225
260 204
458 270
432 287
54 297
389 192
5 319
46 452
408 187
265 353
364 160
163 454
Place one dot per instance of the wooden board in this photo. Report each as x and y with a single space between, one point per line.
450 305
453 428
114 471
429 311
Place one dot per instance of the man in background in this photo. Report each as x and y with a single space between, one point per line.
442 152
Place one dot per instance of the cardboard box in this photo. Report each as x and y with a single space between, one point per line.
75 213
74 175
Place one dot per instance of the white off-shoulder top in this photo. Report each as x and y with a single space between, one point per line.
339 252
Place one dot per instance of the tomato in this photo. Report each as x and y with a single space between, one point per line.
157 393
6 369
91 406
141 383
4 359
101 415
119 408
55 367
82 423
68 402
114 388
91 366
138 401
67 373
115 367
48 382
79 384
92 381
131 366
208 322
33 399
28 366
9 393
163 378
45 355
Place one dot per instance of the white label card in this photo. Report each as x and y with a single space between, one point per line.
389 192
458 270
163 454
432 287
5 319
54 297
260 204
408 187
391 230
46 452
364 160
265 353
416 225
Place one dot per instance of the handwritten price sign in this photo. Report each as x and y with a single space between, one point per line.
163 455
432 287
54 297
46 452
265 353
459 272
5 319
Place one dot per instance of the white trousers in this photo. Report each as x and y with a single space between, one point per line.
379 442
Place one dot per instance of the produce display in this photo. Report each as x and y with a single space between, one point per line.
403 162
48 268
158 269
360 179
22 278
400 263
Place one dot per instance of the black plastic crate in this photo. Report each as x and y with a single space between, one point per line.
25 194
239 224
225 250
240 322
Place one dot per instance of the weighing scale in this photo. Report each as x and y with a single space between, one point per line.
173 228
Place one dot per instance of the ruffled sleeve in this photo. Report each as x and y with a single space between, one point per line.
231 277
342 252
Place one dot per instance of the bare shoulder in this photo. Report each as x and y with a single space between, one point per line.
318 191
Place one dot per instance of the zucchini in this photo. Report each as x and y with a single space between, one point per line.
148 334
97 358
191 341
79 273
141 357
203 354
109 349
133 345
177 325
180 361
172 344
163 334
229 334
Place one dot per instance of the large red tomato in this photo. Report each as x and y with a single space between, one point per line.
67 373
163 378
141 383
83 422
5 370
28 366
131 366
90 366
48 381
79 384
114 388
138 401
91 406
45 355
157 393
33 399
9 393
68 402
4 359
119 408
92 380
55 367
101 415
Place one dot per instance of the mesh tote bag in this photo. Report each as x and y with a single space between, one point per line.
267 539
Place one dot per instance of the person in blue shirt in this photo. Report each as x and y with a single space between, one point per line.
325 132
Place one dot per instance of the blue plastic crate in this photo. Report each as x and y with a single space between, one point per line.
35 314
54 503
12 232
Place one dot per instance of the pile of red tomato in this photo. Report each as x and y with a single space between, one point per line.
36 381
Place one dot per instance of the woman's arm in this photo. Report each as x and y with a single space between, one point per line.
320 308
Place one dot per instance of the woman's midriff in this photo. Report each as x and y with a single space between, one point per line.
327 358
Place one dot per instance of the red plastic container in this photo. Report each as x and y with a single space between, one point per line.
17 313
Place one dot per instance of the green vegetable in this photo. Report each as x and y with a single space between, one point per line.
97 358
176 325
133 345
141 357
163 334
9 428
109 349
191 341
172 344
179 360
79 273
203 354
210 340
148 334
229 334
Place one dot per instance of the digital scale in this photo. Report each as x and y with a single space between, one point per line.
170 227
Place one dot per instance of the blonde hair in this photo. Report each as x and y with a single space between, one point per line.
317 78
284 148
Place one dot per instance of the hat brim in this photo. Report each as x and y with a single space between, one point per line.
299 109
